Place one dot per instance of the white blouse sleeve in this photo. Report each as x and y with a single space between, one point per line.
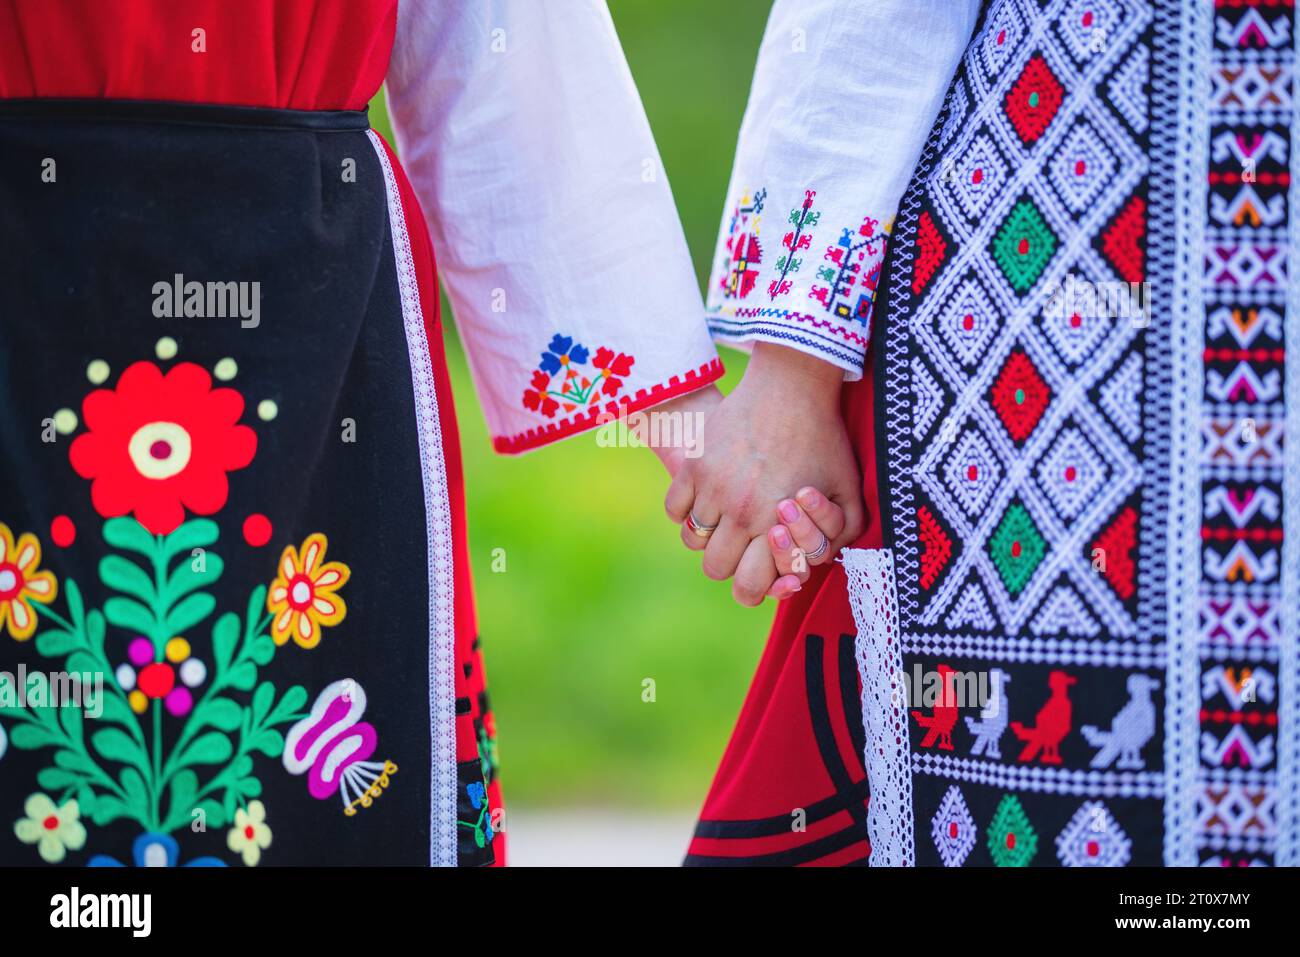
844 96
555 231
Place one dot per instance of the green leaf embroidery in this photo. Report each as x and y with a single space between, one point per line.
29 737
196 533
129 578
56 779
289 706
270 743
214 814
263 698
243 676
185 579
130 616
127 533
133 785
55 644
211 748
109 809
221 713
188 613
115 745
225 635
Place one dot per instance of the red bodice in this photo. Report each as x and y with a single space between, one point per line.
292 54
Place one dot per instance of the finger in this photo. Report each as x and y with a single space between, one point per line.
784 587
824 513
789 558
726 546
691 537
680 497
807 536
754 575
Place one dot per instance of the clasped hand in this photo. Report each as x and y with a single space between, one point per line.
779 431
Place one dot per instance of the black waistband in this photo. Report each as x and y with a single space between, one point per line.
166 112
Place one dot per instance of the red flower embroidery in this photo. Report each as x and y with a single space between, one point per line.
611 365
158 445
575 388
536 397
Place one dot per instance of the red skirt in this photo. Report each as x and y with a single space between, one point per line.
792 787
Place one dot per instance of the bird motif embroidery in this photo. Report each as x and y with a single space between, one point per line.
992 722
1131 728
944 717
1051 725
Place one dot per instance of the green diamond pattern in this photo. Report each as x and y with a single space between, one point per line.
1017 548
1012 839
1024 245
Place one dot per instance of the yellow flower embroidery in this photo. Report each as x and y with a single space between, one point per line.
22 583
302 598
54 830
250 835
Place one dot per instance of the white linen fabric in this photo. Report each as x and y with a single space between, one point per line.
551 217
844 95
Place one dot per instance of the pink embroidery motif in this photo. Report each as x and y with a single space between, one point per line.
798 239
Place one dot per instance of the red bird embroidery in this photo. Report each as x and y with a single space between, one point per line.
944 717
1053 723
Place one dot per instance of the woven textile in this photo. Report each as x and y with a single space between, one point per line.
1082 423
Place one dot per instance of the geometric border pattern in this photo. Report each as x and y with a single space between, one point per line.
1009 576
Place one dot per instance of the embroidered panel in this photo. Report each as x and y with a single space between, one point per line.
785 276
1243 637
1029 407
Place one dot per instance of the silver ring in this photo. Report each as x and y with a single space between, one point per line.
820 550
698 527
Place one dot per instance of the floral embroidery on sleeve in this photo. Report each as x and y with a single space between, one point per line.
852 272
561 381
795 241
835 323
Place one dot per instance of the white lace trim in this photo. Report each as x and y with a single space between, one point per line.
437 516
874 599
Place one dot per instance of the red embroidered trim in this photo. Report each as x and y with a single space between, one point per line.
694 379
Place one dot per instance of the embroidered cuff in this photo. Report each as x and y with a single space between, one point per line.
574 389
813 289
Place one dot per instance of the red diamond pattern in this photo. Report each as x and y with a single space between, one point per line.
1020 395
1033 101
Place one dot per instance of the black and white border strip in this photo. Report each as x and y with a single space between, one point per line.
437 513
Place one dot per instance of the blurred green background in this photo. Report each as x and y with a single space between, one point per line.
598 593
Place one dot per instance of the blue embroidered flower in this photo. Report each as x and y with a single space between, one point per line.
477 794
561 352
155 850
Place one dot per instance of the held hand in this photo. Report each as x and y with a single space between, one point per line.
673 428
810 525
780 429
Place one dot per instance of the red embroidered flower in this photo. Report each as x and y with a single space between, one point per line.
158 445
611 365
536 397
